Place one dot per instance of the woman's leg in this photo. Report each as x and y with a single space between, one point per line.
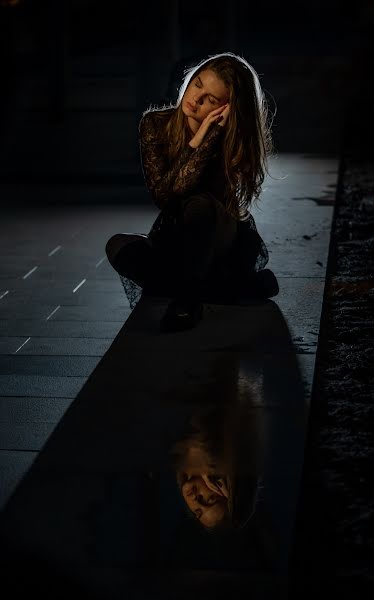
131 255
206 234
181 260
138 258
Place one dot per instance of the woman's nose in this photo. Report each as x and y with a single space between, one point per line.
194 490
191 490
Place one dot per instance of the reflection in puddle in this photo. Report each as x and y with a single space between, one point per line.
217 464
216 467
193 476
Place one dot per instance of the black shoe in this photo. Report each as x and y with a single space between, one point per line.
266 283
181 314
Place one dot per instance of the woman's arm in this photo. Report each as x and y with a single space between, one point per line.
182 177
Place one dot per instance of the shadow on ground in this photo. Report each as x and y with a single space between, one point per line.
220 411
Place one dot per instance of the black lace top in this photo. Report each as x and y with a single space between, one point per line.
195 169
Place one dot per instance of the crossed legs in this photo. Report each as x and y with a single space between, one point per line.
180 260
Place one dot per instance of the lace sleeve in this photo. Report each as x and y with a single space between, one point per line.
163 181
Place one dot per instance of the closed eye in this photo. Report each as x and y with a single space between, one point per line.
211 101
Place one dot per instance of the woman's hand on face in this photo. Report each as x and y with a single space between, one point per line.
218 115
224 115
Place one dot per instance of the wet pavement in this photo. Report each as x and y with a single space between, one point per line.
135 462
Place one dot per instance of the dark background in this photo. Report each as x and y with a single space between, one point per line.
75 79
77 75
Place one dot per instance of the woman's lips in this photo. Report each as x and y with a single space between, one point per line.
190 106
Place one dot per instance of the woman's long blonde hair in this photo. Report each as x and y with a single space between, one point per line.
247 137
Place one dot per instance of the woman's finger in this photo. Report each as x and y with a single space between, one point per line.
214 115
218 110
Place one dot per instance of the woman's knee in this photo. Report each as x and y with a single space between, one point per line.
132 256
113 245
120 240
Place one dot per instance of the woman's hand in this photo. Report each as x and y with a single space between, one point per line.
224 115
219 115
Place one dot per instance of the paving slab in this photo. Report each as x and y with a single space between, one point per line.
55 346
18 299
40 385
38 279
13 466
31 409
31 439
59 328
96 311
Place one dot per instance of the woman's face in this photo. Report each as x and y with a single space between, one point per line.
209 507
204 93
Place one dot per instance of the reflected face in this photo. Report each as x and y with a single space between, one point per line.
204 93
208 506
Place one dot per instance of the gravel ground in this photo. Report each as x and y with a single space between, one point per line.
334 547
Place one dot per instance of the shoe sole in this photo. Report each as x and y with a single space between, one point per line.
169 326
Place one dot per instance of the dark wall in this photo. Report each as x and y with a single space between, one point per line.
79 73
